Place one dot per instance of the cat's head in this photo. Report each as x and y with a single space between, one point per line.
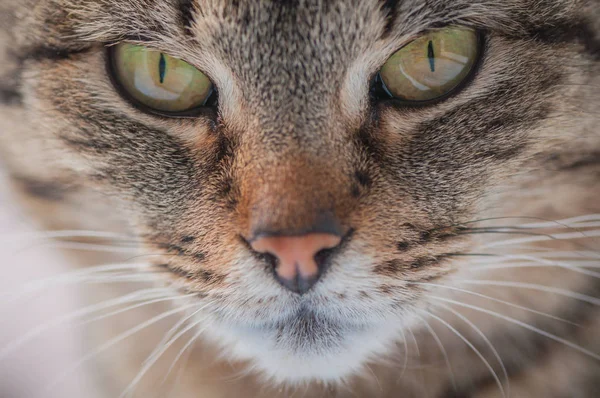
314 160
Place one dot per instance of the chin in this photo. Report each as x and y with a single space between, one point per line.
307 347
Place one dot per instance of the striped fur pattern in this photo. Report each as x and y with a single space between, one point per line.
472 265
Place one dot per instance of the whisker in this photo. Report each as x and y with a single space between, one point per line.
375 377
169 339
442 349
176 327
559 264
563 236
485 339
114 341
546 253
90 280
565 222
508 303
180 353
150 277
405 344
68 276
414 339
92 247
471 254
566 254
62 234
533 286
523 325
481 231
543 222
154 356
487 267
472 347
131 297
136 306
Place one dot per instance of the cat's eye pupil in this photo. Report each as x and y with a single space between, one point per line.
157 82
431 66
162 67
431 56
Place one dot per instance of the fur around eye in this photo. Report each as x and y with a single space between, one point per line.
431 66
157 82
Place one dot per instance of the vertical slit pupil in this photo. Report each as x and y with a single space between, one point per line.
431 56
162 68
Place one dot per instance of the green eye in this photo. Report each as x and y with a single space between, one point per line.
432 65
159 82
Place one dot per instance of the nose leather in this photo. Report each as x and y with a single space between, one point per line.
296 267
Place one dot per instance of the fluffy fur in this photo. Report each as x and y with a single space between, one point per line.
296 134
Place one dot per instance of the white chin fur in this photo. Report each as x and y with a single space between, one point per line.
331 360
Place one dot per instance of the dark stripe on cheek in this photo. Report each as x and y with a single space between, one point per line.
570 32
46 190
186 12
51 53
389 9
10 96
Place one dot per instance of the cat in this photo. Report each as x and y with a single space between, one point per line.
339 198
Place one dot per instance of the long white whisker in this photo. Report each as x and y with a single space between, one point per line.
472 347
405 364
533 286
507 265
550 263
67 233
114 341
93 247
573 256
563 236
155 355
136 296
414 339
120 278
136 306
523 325
508 303
442 349
375 377
568 221
485 339
180 353
68 277
180 323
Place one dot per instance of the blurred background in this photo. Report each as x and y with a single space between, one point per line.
34 345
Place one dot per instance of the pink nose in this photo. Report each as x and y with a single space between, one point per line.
297 268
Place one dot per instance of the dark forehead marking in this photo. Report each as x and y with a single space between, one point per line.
50 53
10 96
390 10
570 32
43 189
9 90
187 9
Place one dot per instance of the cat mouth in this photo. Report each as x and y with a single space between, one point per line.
306 344
305 317
304 330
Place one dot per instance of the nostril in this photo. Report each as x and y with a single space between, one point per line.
271 260
323 259
298 261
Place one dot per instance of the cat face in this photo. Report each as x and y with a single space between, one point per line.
298 140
